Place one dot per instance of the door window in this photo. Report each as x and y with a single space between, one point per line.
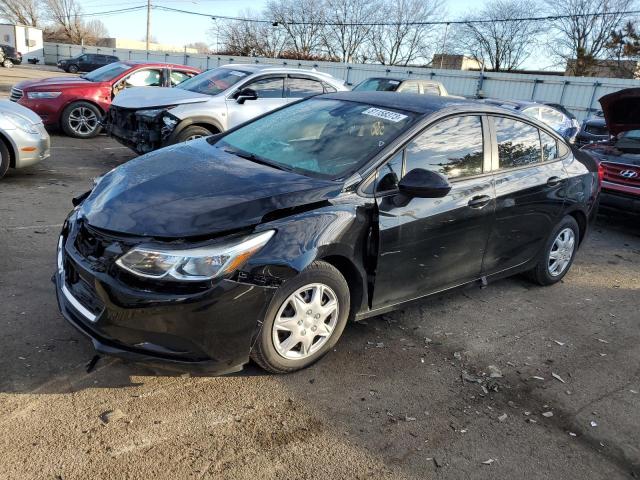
144 78
271 87
178 77
549 147
304 87
518 143
390 174
454 148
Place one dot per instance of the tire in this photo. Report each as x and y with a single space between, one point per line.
72 120
7 63
72 69
5 158
265 352
191 133
550 270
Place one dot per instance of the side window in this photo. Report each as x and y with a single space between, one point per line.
409 87
304 87
83 58
532 113
101 59
178 77
549 147
271 87
144 78
551 117
390 174
518 143
430 89
453 148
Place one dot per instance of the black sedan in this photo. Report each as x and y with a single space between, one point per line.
263 241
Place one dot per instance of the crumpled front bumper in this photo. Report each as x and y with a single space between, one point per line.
208 332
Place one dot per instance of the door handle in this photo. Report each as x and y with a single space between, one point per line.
553 181
479 201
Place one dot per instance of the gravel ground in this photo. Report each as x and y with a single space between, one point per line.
390 402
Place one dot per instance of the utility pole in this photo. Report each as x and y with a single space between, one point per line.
148 23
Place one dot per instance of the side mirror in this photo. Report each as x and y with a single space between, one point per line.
246 94
423 183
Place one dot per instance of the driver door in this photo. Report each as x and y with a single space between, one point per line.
270 91
431 244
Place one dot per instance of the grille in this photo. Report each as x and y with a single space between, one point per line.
596 130
16 94
612 173
82 289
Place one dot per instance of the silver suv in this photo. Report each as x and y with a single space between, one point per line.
145 119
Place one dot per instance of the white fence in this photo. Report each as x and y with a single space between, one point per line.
578 94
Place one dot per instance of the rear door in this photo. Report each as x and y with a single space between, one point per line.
530 181
430 244
270 91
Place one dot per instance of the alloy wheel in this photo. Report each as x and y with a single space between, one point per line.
561 252
305 321
83 120
193 137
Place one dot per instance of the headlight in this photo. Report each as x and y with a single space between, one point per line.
39 95
12 120
197 264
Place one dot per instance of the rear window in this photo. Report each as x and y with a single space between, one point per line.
378 85
108 72
213 81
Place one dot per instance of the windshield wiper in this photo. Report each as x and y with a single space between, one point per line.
256 159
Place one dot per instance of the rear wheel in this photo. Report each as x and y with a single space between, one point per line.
304 320
559 253
191 133
7 63
72 69
81 120
5 159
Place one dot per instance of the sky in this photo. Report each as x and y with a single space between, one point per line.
180 29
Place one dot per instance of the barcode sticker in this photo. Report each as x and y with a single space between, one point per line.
385 114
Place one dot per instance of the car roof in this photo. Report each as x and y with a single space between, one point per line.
261 68
421 104
398 79
158 64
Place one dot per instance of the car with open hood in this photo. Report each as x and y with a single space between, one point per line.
263 241
78 104
212 102
619 157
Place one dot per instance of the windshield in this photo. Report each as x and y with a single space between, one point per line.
106 73
378 85
214 81
318 137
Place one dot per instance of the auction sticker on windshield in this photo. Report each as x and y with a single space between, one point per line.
384 114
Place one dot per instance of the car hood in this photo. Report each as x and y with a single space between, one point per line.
15 108
56 82
193 190
149 97
622 110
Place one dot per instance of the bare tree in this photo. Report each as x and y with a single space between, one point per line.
349 26
250 38
22 12
401 41
581 39
505 42
67 24
302 20
200 47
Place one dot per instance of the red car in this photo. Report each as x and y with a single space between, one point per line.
77 104
619 158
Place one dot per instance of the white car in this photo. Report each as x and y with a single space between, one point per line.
148 118
23 139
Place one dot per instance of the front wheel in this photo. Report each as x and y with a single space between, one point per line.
7 63
81 120
191 133
559 253
304 320
72 69
5 159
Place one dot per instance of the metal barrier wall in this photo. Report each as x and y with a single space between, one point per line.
578 94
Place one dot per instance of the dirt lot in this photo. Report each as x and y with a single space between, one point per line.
390 402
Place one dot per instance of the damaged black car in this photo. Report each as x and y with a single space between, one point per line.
263 242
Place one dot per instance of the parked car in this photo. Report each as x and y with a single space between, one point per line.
264 240
401 85
78 104
212 102
23 138
619 157
593 130
86 62
553 114
9 56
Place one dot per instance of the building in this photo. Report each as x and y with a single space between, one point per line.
125 44
608 68
27 40
455 62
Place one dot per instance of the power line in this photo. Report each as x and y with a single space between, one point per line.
110 12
